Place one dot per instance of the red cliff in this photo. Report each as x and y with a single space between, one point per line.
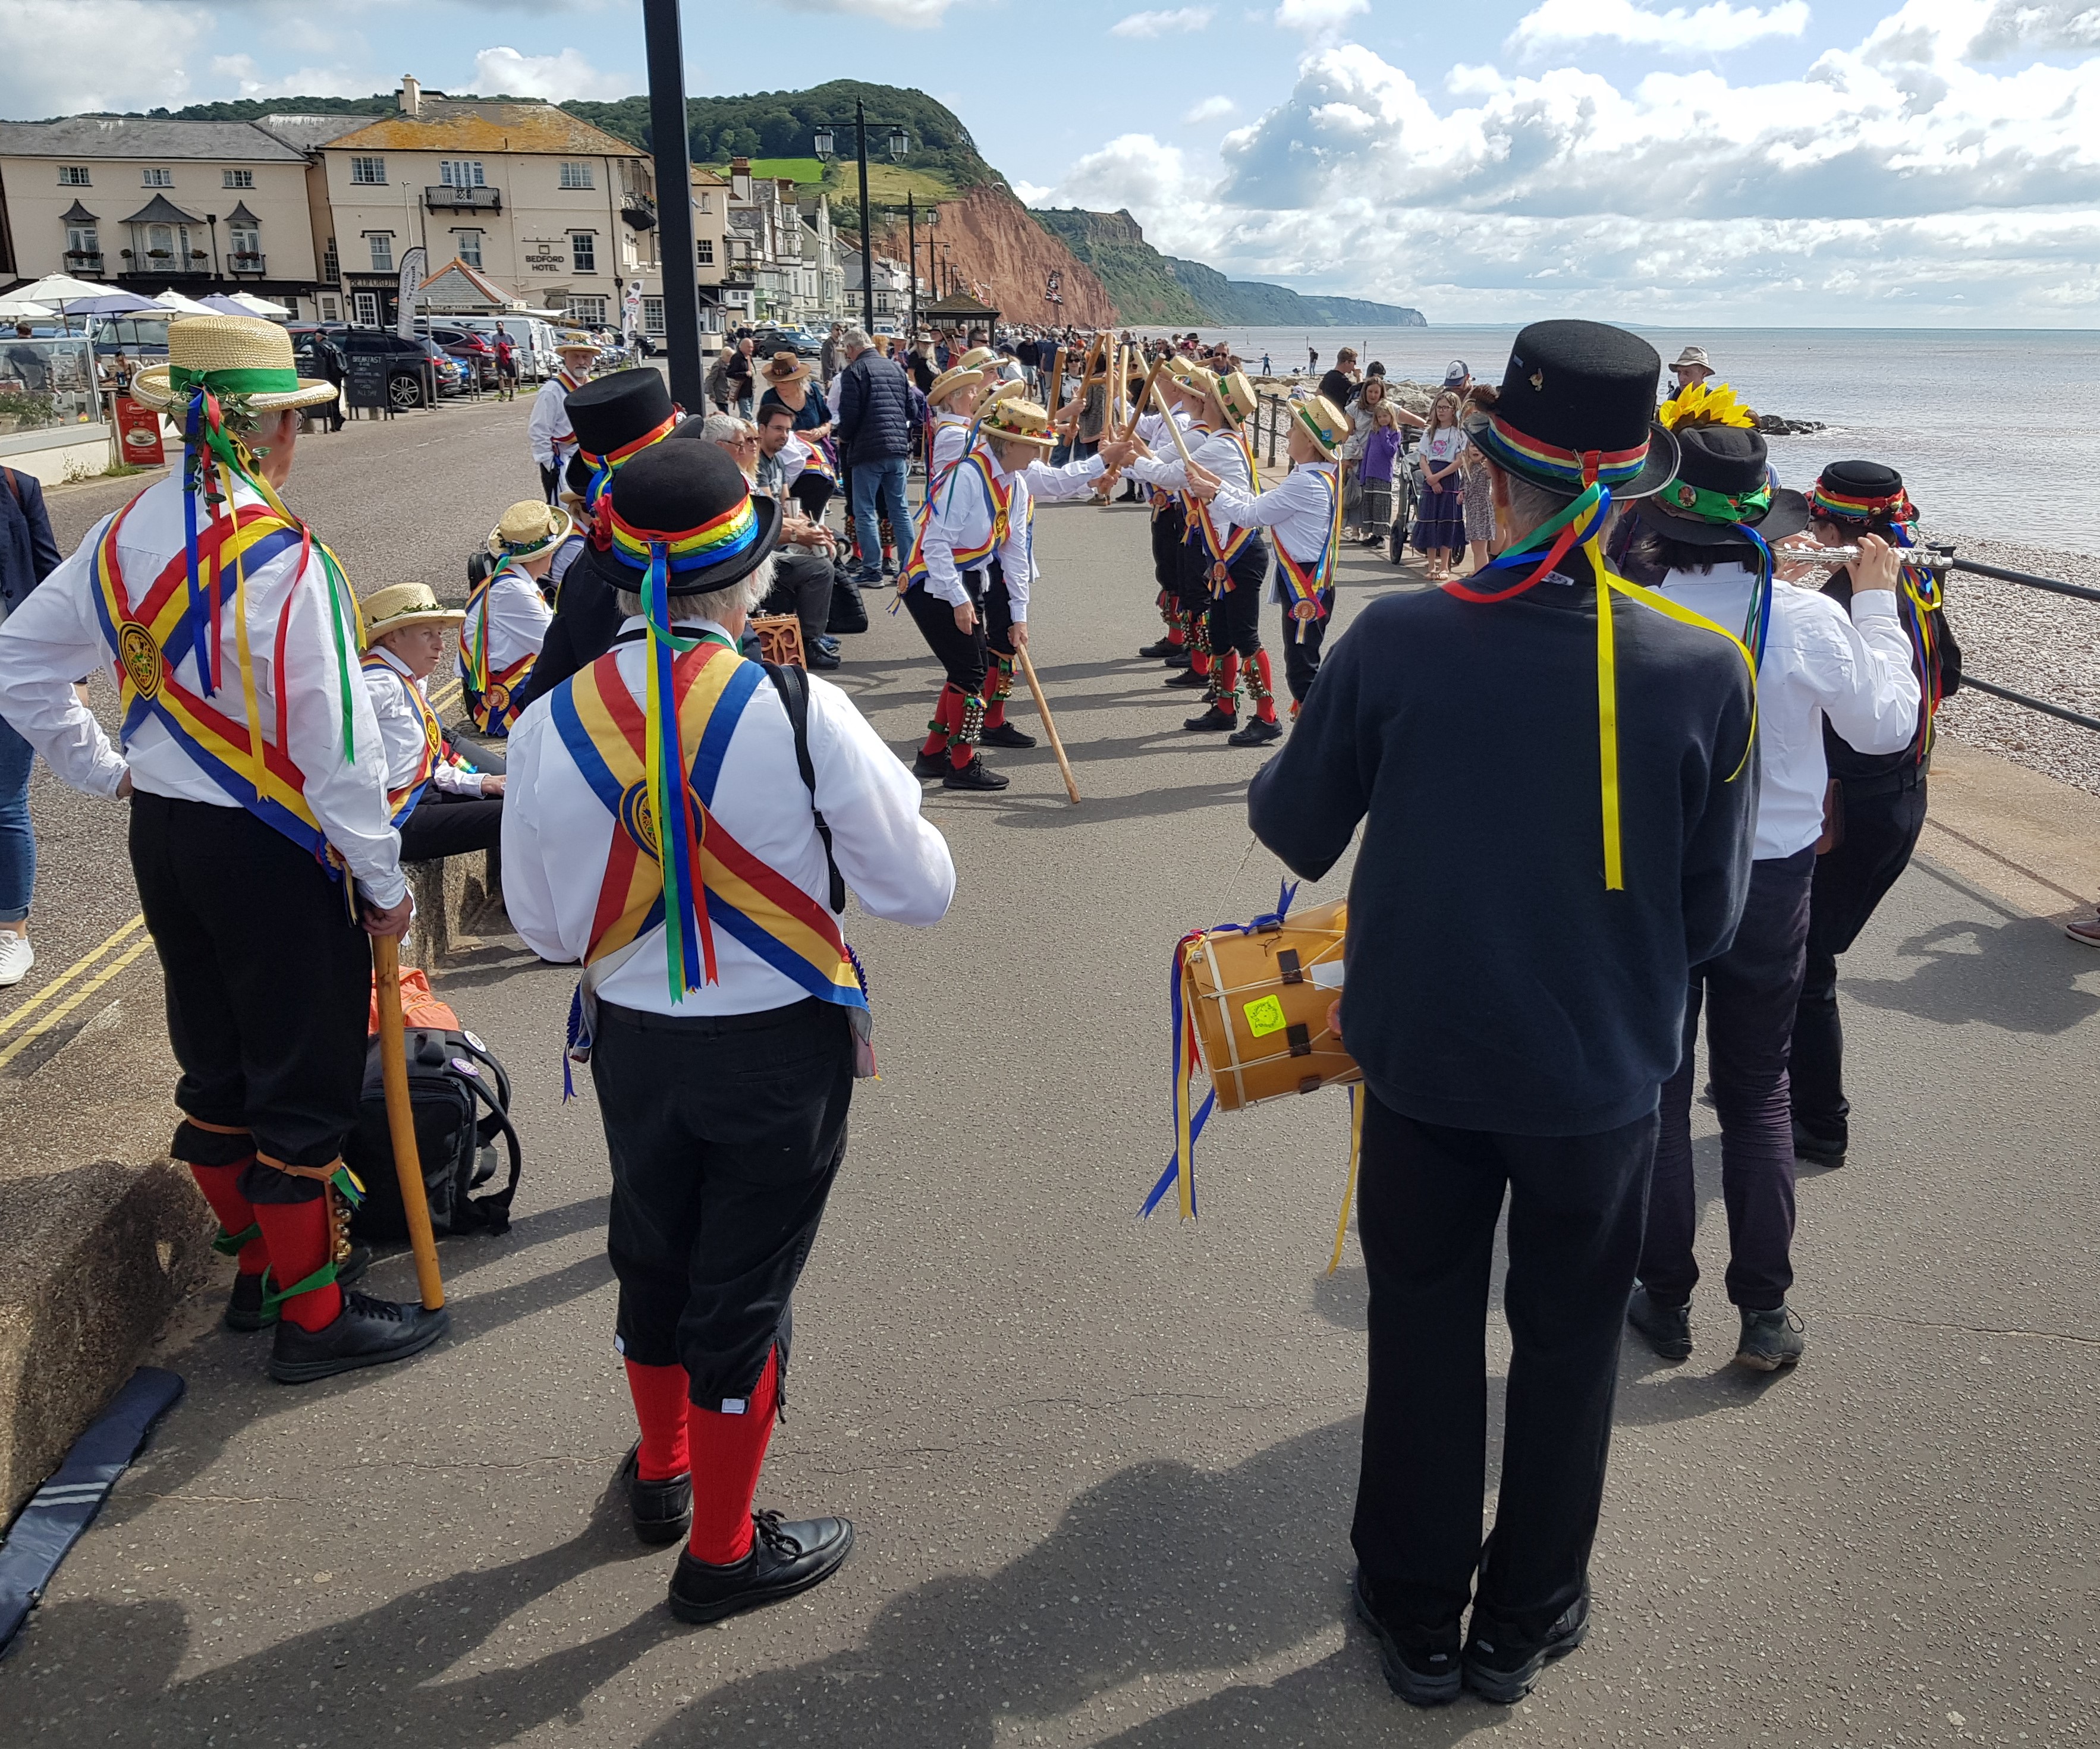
989 243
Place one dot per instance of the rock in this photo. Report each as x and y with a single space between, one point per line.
1772 425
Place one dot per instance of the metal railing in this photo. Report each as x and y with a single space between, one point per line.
2028 580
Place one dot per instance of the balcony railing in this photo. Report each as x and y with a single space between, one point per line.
246 261
463 200
149 265
79 261
639 210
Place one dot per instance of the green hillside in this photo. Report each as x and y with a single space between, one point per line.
1137 275
1249 303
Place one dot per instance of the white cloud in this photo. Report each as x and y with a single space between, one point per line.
556 78
1711 29
247 80
1317 17
1032 194
2051 25
1210 109
66 55
1163 23
907 15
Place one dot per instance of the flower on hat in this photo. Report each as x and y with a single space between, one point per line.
1707 403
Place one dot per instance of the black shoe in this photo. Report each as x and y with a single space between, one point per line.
827 644
1772 1340
1177 657
662 1511
1257 734
1806 1146
368 1333
1006 735
1502 1671
925 765
818 660
976 775
1421 1668
245 1310
1213 718
1667 1329
1187 677
1154 652
785 1559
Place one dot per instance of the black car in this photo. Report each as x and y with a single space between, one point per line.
798 341
407 361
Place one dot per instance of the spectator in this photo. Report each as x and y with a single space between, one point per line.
1458 379
874 432
1440 520
1690 367
506 367
1381 451
1340 384
921 366
29 553
802 561
787 380
828 355
1479 507
737 373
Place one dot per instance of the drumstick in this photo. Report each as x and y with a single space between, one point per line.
1049 723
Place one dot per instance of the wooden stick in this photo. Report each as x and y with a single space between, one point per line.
1056 379
1049 724
401 1120
1145 394
1167 413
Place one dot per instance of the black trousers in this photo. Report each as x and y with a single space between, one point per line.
813 492
801 586
1168 528
268 980
1236 615
998 616
1302 640
1192 578
442 825
1427 1200
961 654
725 1134
1881 822
550 484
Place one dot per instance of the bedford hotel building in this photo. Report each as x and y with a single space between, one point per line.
318 211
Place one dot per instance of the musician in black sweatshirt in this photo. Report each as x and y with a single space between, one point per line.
1515 1014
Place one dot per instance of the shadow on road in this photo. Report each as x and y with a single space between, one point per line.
2016 976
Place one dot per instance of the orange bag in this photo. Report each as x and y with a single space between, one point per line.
419 1007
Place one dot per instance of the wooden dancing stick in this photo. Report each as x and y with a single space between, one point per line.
1167 413
1049 723
1145 394
1056 379
401 1121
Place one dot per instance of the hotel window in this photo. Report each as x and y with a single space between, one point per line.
73 176
239 179
159 179
327 309
652 316
83 239
382 251
706 201
576 173
706 246
366 304
461 173
583 251
331 263
370 171
467 244
244 241
590 311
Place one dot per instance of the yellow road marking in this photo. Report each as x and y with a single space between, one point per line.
73 1001
15 1017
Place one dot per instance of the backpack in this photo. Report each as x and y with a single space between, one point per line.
451 1076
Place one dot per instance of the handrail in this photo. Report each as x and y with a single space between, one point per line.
2026 578
1969 680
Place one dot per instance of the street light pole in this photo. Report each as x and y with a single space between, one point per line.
866 221
662 38
912 255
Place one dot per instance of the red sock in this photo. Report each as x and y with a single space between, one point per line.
661 1396
300 1242
1177 634
1228 691
947 714
1262 688
727 1451
220 1186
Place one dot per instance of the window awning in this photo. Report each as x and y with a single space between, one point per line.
239 216
161 210
78 215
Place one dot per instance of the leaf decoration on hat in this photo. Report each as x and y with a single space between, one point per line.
1707 404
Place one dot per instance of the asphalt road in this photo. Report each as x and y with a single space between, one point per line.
1102 1470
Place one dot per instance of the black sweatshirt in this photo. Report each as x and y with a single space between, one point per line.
1493 983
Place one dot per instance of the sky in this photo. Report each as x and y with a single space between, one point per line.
1770 164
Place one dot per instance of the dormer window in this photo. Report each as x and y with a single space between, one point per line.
156 178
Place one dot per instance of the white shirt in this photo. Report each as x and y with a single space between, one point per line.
55 637
1152 428
517 616
1818 664
963 517
557 835
1220 451
401 727
548 430
952 433
565 555
1298 510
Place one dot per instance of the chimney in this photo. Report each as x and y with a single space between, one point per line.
411 96
739 180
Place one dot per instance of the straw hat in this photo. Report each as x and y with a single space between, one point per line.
1181 369
976 357
1012 419
405 604
230 355
784 367
529 529
1235 396
577 341
1323 423
954 377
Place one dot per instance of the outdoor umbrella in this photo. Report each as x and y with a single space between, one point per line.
242 303
70 297
181 306
21 310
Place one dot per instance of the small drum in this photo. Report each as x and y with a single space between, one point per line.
1260 999
779 638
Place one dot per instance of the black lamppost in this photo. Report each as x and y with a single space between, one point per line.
912 261
672 154
900 143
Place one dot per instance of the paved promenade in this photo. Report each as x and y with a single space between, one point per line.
1101 1471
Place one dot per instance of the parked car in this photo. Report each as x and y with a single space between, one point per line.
473 353
799 340
451 374
406 386
531 342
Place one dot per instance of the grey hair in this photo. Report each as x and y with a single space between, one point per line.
855 340
1531 503
722 427
717 605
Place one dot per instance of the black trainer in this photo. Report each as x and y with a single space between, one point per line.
976 775
1187 676
662 1511
1257 734
1006 735
925 765
1503 1670
1667 1329
1154 652
245 1310
1177 657
1772 1340
784 1559
1213 719
1421 1666
368 1333
1816 1153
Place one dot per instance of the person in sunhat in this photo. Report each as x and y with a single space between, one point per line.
241 870
1534 881
1688 369
548 430
442 806
721 1011
507 615
1707 537
1303 515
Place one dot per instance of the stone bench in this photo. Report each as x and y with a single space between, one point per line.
458 901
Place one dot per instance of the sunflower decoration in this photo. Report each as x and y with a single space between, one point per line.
1707 403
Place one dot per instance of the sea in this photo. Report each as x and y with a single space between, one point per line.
1984 424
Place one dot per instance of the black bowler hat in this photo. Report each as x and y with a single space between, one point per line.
1862 491
1577 404
1722 485
609 413
688 503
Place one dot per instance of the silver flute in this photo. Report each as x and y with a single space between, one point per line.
1937 560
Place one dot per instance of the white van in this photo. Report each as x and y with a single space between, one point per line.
532 338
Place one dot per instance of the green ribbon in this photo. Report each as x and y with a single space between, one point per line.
234 382
1707 506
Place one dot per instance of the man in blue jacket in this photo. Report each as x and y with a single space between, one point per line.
874 433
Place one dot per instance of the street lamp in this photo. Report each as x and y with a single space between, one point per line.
826 142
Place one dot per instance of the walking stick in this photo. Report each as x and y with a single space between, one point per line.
401 1121
1049 723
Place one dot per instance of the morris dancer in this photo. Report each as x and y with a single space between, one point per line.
441 806
507 616
720 1011
1184 647
1304 514
257 786
548 430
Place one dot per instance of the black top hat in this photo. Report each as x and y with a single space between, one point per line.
1577 403
690 500
610 412
1722 486
1862 491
